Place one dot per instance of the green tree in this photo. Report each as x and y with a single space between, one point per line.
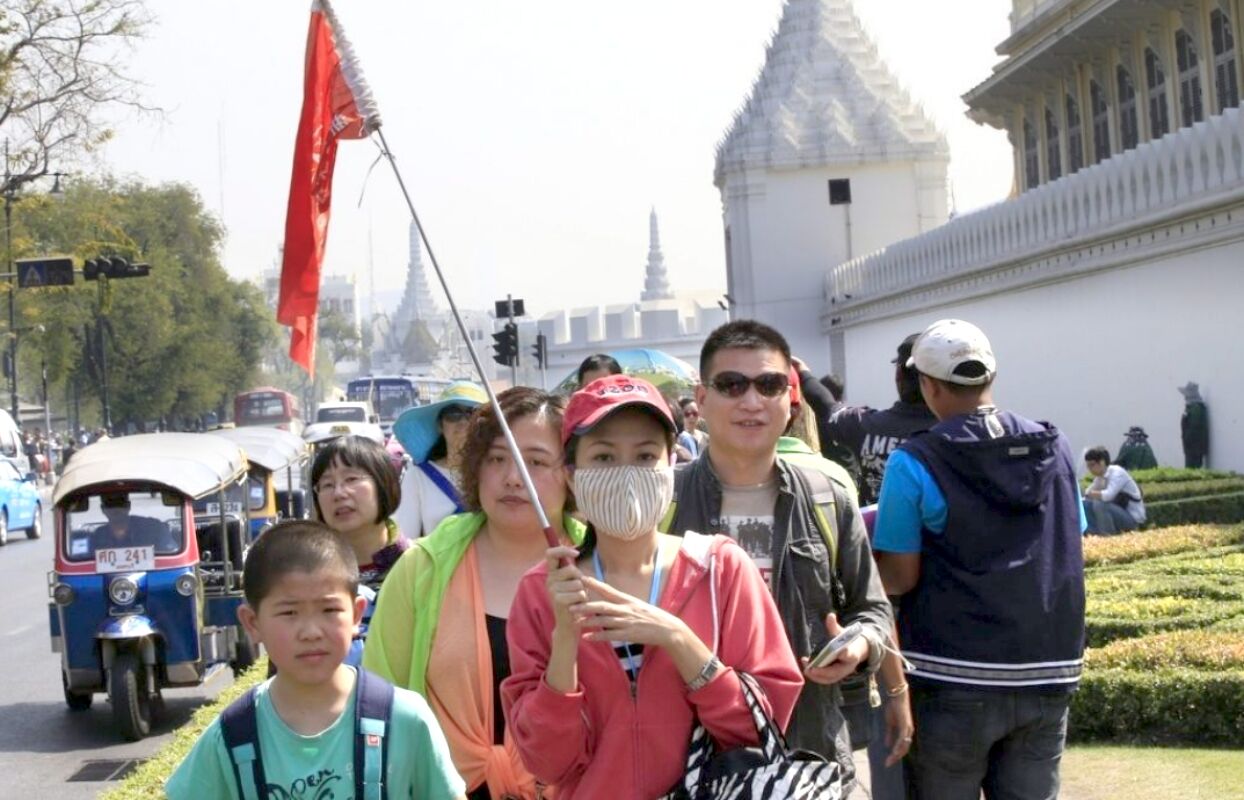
179 342
336 333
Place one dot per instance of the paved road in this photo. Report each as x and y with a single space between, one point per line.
42 744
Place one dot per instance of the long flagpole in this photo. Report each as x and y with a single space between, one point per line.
515 453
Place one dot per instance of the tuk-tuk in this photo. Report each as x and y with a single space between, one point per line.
274 484
144 598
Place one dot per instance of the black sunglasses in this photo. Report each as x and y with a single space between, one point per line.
735 384
455 414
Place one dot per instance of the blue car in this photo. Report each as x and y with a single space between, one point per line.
19 503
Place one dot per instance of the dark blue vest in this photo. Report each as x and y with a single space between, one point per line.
1000 600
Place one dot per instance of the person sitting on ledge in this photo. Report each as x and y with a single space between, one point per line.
1112 502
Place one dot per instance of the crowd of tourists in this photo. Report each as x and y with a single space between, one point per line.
712 577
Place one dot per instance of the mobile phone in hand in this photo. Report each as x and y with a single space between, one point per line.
836 645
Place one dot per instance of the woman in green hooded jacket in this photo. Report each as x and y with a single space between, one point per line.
439 625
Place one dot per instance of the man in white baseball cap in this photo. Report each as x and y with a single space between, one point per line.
954 351
979 529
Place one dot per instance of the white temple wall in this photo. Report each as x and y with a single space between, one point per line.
784 235
1100 353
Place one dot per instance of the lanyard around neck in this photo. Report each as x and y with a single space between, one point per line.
654 593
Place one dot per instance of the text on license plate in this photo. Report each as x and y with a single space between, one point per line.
124 559
230 508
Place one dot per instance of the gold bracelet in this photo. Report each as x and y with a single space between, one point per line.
897 691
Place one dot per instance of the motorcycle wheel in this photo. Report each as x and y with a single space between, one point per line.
131 709
75 701
36 528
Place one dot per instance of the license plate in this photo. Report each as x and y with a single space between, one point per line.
213 509
125 559
340 430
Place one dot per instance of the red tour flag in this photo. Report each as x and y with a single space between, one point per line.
336 104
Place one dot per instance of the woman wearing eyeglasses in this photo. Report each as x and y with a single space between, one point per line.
617 655
433 436
440 626
355 493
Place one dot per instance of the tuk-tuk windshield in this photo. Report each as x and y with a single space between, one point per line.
123 520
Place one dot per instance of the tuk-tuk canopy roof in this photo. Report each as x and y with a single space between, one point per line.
271 448
194 464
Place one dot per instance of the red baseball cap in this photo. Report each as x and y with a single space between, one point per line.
603 396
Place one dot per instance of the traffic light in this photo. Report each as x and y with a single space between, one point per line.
541 350
505 345
114 268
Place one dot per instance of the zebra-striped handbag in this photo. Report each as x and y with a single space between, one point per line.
768 772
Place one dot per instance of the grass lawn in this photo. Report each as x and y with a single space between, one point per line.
1107 772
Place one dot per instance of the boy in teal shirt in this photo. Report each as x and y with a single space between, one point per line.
302 605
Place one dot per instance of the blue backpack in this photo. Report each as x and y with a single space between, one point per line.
373 706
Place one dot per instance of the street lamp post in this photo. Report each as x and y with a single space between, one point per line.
9 191
11 183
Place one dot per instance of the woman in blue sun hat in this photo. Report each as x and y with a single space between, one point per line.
433 436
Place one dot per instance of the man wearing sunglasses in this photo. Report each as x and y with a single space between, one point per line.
802 529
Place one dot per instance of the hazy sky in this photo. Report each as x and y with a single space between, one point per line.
534 136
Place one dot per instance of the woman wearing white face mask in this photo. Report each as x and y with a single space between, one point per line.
617 653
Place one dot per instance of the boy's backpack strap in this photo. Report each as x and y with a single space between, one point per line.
239 725
373 707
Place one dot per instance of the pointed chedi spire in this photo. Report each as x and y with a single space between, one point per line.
824 96
417 304
656 281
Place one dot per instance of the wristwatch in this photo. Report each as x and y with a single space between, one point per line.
707 673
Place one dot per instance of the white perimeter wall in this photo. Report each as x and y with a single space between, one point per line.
1101 353
785 235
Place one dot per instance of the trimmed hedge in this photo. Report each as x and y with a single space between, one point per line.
1234 624
148 780
1169 474
1187 496
1205 650
1210 508
1182 490
1181 591
1166 706
1129 547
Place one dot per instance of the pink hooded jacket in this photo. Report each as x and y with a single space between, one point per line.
600 741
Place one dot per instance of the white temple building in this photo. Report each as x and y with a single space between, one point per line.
1114 276
828 158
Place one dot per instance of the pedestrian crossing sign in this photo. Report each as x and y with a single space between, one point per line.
34 273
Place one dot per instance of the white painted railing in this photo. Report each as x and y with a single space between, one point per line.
1150 181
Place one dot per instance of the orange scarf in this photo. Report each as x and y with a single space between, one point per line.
459 690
